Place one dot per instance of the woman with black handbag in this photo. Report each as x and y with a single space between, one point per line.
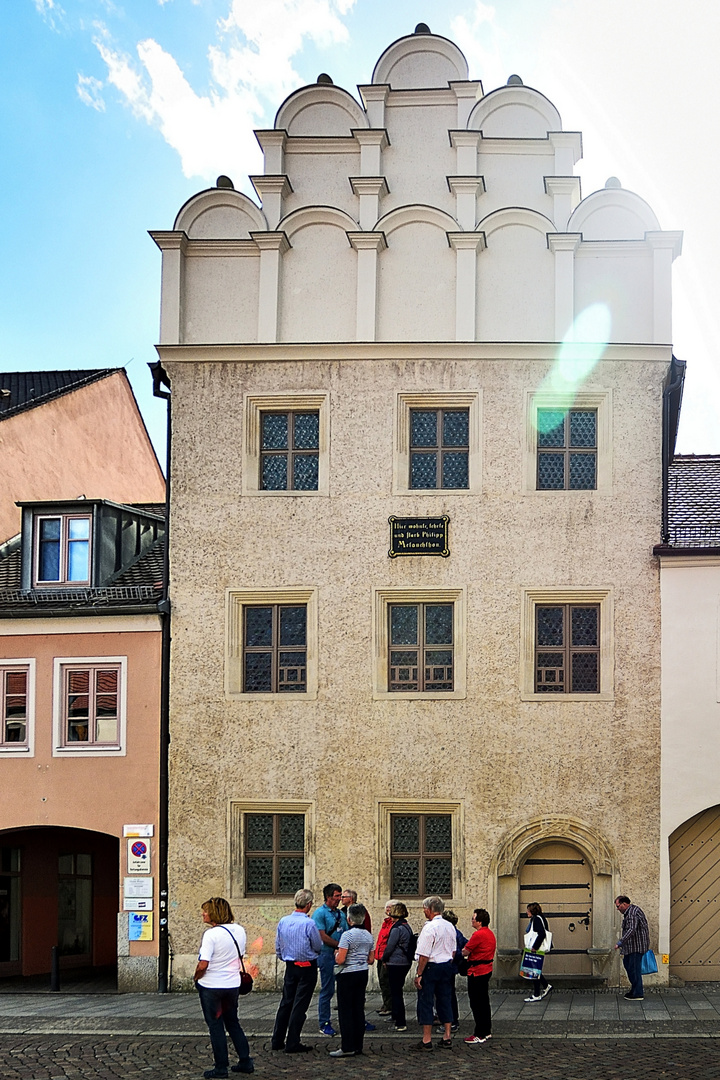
535 936
217 978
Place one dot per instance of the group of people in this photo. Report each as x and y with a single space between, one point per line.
336 942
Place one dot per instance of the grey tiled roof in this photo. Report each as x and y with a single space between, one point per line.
26 389
694 501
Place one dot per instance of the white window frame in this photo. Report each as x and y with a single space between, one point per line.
532 598
382 599
386 808
27 664
598 400
302 401
237 809
236 601
60 665
62 581
405 402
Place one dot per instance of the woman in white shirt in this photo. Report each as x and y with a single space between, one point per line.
217 978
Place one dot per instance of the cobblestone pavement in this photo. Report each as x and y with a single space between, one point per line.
179 1058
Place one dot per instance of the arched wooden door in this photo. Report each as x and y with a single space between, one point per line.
695 904
559 878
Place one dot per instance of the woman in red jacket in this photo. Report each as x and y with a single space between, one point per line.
480 952
383 935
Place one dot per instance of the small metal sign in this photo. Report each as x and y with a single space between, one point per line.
419 536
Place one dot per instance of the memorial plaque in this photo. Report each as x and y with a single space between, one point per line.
419 536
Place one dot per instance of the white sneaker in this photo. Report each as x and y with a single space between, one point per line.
534 997
546 991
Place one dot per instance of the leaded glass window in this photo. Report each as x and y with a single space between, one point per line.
274 854
567 449
421 854
275 649
439 448
14 706
421 647
567 649
289 456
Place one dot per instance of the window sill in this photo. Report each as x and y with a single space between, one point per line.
401 695
89 751
15 751
568 697
292 492
238 696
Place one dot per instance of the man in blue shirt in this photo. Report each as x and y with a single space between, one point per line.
298 944
331 923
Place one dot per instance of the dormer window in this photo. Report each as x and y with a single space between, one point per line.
62 547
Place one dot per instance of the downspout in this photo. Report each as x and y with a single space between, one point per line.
160 378
672 399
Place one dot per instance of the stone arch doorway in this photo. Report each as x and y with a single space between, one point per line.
578 869
694 904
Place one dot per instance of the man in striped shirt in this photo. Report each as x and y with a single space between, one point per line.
633 944
298 944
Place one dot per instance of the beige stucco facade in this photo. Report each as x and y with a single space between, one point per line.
385 272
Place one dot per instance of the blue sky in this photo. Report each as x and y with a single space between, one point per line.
114 113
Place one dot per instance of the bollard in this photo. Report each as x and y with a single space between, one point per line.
55 969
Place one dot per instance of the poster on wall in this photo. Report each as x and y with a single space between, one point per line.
140 926
138 856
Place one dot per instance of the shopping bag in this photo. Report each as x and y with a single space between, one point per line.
648 964
546 942
531 964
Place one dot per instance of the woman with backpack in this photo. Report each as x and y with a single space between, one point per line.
398 956
537 927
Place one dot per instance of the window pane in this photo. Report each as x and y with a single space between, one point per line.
404 670
551 472
423 470
405 877
438 624
83 865
549 625
78 529
259 876
66 864
307 431
438 832
455 470
582 428
584 673
258 673
551 427
423 428
292 625
456 428
274 431
78 706
50 529
78 560
292 677
305 472
405 833
584 624
274 472
259 832
582 472
291 875
438 877
438 669
550 673
292 833
258 626
403 624
106 691
49 569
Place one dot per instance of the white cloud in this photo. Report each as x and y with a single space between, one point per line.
251 71
51 12
88 89
481 40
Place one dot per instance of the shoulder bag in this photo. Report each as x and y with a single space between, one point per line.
246 979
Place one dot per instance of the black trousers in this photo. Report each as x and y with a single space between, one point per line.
298 986
480 1003
350 988
397 974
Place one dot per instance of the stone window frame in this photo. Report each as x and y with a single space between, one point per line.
382 598
532 598
600 401
302 401
237 809
432 399
386 808
61 748
27 748
236 601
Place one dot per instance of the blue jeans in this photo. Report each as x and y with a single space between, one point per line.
631 963
435 987
326 965
219 1006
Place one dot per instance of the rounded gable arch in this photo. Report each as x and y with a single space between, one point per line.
401 65
317 215
518 844
320 109
613 208
220 214
515 215
416 214
524 112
